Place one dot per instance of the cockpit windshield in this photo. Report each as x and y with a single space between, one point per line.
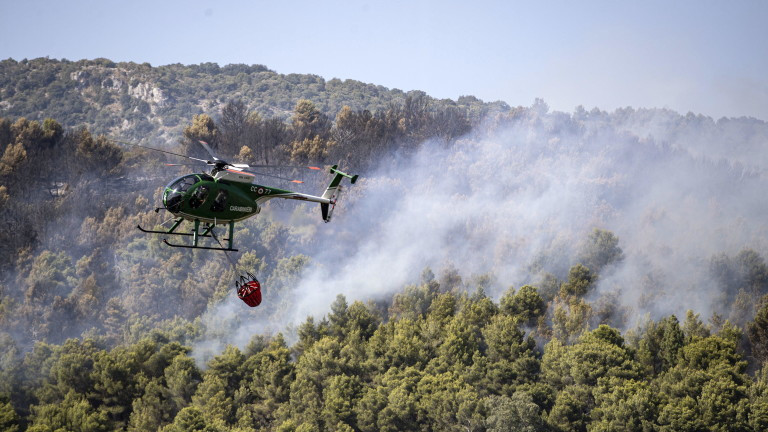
174 192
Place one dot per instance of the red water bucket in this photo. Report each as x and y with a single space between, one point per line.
250 293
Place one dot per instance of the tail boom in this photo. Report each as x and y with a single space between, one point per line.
327 200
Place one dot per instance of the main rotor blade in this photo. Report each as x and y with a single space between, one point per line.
219 164
208 149
163 151
180 164
284 166
239 170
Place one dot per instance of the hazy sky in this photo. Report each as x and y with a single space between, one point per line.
708 57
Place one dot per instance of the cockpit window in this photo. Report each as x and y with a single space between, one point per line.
220 202
175 192
184 183
198 197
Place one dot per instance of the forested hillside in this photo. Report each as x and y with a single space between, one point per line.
493 268
140 101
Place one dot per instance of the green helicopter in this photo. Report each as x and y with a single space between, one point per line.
227 195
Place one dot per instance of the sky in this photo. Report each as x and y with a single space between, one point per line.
706 57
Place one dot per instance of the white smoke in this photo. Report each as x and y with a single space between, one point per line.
521 194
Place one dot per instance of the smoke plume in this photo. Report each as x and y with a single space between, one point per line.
517 198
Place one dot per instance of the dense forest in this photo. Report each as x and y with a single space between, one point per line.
494 269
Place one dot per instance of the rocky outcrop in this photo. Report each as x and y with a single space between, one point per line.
148 93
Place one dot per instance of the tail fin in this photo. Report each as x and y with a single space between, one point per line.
333 192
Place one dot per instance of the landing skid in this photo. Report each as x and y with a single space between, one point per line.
196 234
198 247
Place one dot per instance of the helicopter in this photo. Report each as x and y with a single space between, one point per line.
227 195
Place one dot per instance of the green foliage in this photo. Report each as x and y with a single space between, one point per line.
580 281
693 327
743 280
96 156
758 400
362 322
203 128
757 330
9 419
599 353
13 158
660 344
512 359
182 378
571 318
623 404
526 304
571 409
447 403
601 249
706 389
190 419
463 362
513 413
215 395
414 301
72 412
